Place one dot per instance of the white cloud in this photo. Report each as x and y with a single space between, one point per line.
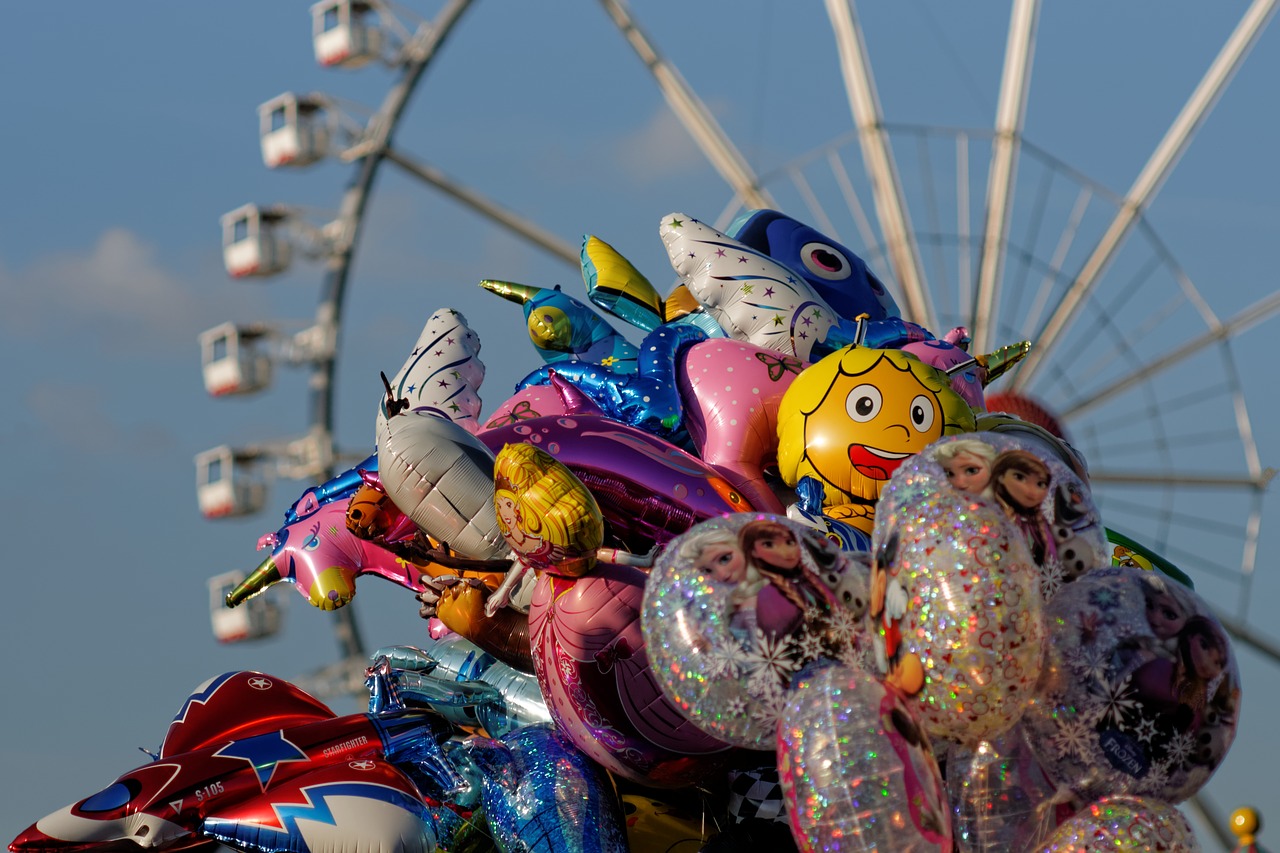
662 148
117 293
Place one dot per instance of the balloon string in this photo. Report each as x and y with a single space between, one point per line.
1046 811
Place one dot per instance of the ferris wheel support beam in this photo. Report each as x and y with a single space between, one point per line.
886 186
1011 115
1148 183
692 112
1172 478
1242 633
491 210
417 55
1251 316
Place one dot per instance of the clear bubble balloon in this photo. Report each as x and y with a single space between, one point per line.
1124 825
857 769
1000 796
956 609
735 606
1140 692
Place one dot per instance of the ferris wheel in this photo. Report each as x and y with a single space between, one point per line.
987 226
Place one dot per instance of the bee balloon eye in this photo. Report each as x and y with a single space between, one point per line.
863 403
922 413
825 261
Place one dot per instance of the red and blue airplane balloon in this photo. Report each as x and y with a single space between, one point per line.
254 763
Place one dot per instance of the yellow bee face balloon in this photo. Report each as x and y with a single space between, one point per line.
852 418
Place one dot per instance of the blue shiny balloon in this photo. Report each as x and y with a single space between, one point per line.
648 399
839 276
540 793
340 487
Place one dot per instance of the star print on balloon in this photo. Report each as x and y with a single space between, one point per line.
649 398
264 753
444 372
752 296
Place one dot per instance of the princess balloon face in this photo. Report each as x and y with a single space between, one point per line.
852 418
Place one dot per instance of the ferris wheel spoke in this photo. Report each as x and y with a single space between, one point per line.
692 112
811 202
1148 183
1247 318
850 196
1058 259
1010 116
1123 340
886 185
1034 227
1211 817
1242 632
1174 478
486 207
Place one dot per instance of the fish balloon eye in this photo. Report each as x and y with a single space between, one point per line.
825 261
922 413
864 402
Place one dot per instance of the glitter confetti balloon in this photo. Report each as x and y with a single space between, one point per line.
735 606
955 608
1044 500
857 769
1124 825
1140 690
1001 798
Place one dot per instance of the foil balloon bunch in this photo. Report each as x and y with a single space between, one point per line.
771 576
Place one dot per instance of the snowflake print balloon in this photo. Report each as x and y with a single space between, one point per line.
1140 691
736 606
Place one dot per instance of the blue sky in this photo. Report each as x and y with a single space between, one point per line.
131 129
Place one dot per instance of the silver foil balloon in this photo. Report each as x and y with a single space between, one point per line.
463 683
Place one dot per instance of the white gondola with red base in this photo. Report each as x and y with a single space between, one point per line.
234 359
294 130
254 619
254 241
229 482
346 33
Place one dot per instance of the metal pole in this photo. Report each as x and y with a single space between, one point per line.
418 53
1148 183
886 187
1011 115
692 113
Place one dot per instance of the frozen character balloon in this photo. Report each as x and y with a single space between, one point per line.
1039 494
967 464
1140 691
851 419
789 594
738 605
1021 482
715 552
